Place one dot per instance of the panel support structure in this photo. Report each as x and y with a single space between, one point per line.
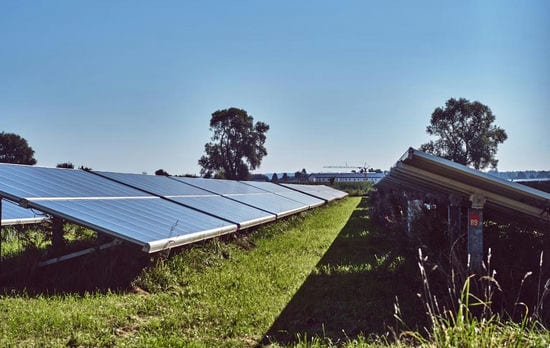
475 232
454 218
57 233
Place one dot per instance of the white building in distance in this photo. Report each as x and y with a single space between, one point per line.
345 177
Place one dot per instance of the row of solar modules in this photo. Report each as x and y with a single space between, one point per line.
156 212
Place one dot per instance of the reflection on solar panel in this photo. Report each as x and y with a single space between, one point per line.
320 191
242 215
15 215
286 192
249 195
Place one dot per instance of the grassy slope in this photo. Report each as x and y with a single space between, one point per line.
211 294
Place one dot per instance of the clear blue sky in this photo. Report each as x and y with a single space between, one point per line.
130 85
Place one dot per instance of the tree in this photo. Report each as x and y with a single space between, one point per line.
161 172
274 178
15 149
66 165
466 133
236 147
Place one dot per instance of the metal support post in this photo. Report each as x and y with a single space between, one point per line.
454 218
57 233
475 232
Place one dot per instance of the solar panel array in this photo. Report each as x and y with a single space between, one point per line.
155 212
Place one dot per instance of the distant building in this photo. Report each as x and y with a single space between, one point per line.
345 177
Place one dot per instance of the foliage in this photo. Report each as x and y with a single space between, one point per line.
236 147
466 133
274 178
15 149
66 165
301 176
355 188
161 172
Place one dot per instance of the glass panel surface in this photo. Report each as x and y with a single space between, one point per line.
18 181
156 184
221 187
228 209
140 221
320 191
286 192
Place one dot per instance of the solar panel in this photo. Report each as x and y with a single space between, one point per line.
286 192
250 195
154 212
107 206
196 198
320 191
18 181
153 223
221 187
155 184
13 214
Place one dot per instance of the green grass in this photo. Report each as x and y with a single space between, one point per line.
324 278
212 294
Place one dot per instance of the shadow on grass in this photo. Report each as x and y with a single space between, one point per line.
102 271
353 288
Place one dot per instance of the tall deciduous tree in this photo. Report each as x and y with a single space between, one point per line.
15 149
466 133
236 147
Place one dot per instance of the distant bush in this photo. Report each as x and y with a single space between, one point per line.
360 188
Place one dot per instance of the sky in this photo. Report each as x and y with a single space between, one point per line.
130 86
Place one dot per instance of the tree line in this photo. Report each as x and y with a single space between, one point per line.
464 132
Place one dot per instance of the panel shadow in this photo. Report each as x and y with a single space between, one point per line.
353 288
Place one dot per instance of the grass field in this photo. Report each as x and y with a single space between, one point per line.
323 278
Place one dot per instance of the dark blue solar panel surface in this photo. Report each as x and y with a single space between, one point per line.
320 191
286 192
194 197
221 187
231 210
151 222
32 182
156 184
253 196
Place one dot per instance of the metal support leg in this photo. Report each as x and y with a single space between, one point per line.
475 233
57 233
454 218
